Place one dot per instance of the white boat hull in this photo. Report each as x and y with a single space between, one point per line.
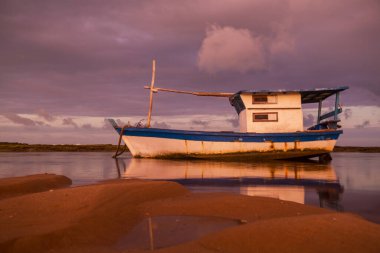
162 147
168 143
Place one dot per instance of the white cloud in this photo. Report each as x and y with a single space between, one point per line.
237 49
232 49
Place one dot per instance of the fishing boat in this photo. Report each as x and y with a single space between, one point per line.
270 127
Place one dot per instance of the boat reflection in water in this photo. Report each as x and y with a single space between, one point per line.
282 180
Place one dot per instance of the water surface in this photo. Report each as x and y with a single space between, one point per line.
350 183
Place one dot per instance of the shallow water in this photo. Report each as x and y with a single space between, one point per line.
164 231
350 183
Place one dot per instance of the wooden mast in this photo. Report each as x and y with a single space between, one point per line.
151 92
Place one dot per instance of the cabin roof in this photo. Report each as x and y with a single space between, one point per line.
307 96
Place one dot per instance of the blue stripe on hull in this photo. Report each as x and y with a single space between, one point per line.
231 136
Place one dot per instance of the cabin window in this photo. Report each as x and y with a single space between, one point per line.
264 99
260 99
265 117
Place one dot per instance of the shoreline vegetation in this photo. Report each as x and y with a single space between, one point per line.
42 213
24 147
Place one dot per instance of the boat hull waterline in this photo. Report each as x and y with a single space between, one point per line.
166 143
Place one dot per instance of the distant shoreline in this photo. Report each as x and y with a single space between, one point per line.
338 149
24 147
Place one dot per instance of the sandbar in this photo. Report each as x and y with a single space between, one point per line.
94 218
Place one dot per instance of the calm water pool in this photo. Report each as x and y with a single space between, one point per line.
351 183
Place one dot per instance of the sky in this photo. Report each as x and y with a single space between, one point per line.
65 66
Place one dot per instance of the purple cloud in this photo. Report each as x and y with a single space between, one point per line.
200 122
162 124
69 122
45 115
20 120
120 122
99 66
309 120
87 126
347 113
107 51
364 124
234 122
106 125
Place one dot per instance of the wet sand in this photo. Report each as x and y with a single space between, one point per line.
96 218
10 187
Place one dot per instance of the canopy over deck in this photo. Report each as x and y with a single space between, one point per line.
307 96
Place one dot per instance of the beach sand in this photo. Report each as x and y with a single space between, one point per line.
10 187
101 218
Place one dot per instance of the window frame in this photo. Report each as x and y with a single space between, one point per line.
264 120
262 102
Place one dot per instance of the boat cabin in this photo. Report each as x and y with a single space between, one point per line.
281 110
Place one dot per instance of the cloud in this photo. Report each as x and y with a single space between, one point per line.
40 123
309 120
237 49
234 122
121 123
364 124
45 115
283 42
231 49
106 54
106 125
347 113
87 126
15 118
199 122
69 122
162 124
